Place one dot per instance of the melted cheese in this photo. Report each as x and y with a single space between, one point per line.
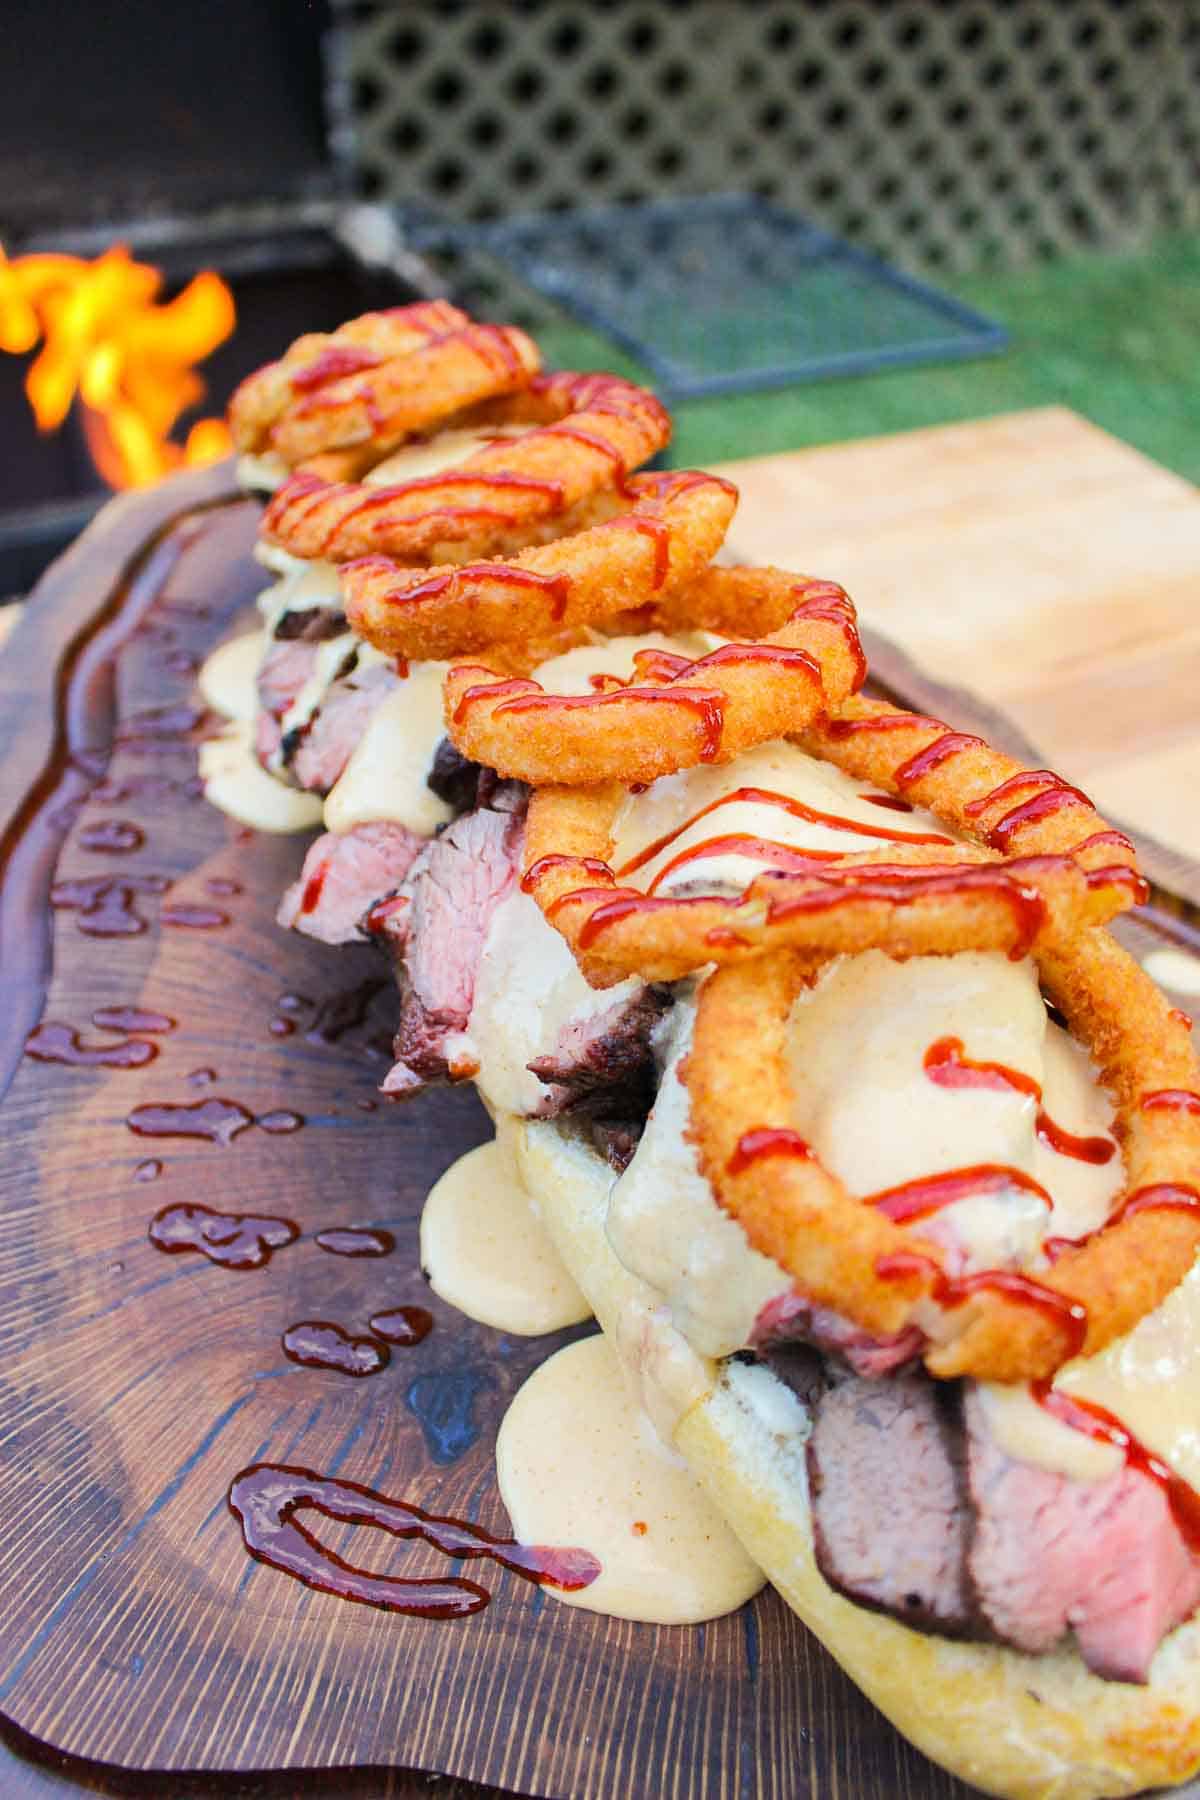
485 1251
578 1463
235 781
328 664
387 774
571 673
779 767
430 456
870 1111
227 681
666 1227
527 988
302 587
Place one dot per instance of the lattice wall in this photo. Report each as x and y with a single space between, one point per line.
951 133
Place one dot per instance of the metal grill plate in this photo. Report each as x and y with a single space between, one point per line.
728 292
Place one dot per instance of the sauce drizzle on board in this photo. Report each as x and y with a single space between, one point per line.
266 1497
234 1240
54 1042
355 1241
322 1344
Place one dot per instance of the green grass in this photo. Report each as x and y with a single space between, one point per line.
1115 337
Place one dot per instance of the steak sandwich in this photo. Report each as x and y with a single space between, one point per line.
875 1155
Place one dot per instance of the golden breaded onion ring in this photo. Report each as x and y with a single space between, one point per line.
673 526
673 713
319 358
914 903
587 432
1001 1325
406 396
989 796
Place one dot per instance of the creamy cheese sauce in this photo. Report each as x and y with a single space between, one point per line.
236 782
579 1463
666 1227
485 1250
867 1105
527 988
431 456
671 806
227 681
387 774
571 673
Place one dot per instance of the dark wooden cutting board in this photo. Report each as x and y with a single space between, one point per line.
134 1630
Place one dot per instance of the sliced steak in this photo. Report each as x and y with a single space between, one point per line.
342 878
890 1520
607 1050
452 778
437 938
330 738
282 673
791 1319
1051 1554
309 625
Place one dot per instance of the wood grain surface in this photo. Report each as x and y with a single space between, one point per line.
1033 560
140 1650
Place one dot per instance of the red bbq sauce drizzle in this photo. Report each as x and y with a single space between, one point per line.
1051 794
217 1121
234 1240
1180 1017
1068 1316
544 864
767 1141
320 1344
403 1325
1171 1100
933 755
116 836
194 918
763 850
928 1194
892 802
355 1241
331 364
131 1018
1097 1422
382 495
53 1042
901 885
105 905
708 706
555 587
659 533
946 1065
265 1499
795 809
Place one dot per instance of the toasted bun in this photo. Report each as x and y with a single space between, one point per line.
1027 1727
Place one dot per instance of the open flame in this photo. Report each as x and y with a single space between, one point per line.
128 359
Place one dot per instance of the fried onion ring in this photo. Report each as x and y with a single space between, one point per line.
917 903
983 793
671 530
674 713
587 432
1000 1325
407 395
319 358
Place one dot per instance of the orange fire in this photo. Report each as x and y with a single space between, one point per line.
128 359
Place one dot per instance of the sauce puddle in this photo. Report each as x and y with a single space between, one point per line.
266 1497
351 1241
234 1240
320 1344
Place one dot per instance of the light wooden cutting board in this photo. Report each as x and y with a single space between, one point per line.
1032 559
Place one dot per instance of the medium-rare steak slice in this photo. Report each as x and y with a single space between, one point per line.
292 654
436 926
792 1319
605 1050
1052 1554
343 876
890 1519
326 742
